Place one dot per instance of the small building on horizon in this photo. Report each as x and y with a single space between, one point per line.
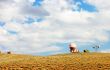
73 48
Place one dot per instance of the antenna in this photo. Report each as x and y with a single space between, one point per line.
96 47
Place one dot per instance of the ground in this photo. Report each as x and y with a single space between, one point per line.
75 61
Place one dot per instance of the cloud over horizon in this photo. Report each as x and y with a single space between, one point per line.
38 29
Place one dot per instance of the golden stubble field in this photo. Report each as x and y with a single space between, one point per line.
76 61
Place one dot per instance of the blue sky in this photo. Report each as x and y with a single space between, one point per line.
37 3
46 27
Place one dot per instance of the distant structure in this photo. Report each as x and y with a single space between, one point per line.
86 51
8 52
73 48
96 47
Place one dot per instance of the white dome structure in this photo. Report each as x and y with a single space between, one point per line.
73 48
73 45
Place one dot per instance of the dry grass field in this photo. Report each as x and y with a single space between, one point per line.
76 61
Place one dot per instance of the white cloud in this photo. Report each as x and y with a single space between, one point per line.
60 26
101 5
18 10
105 51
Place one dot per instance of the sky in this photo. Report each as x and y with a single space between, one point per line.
47 27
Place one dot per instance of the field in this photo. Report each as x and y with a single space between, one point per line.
76 61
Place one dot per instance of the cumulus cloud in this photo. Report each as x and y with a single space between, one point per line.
101 5
60 24
19 10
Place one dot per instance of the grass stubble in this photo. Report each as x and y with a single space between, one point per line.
75 61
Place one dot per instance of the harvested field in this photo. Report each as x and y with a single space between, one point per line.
77 61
